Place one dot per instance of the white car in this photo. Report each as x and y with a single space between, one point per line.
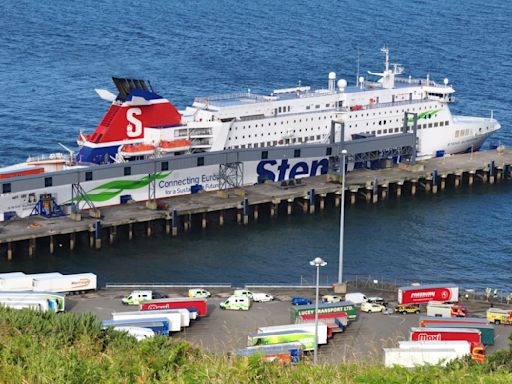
331 299
372 307
262 297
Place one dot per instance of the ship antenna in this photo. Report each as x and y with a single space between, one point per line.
357 75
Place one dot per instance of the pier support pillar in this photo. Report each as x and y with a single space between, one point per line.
443 182
111 235
91 236
499 174
130 231
174 222
428 185
457 180
305 205
9 251
221 217
289 207
375 191
149 229
368 195
273 209
255 212
435 179
238 216
322 202
167 226
491 172
337 199
246 211
471 178
413 187
52 245
186 223
97 234
204 223
31 247
399 186
72 241
353 196
384 192
311 201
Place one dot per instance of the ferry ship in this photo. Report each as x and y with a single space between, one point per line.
140 125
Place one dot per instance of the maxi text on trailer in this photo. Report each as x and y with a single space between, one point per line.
173 317
309 327
284 353
420 294
343 306
159 325
76 283
486 330
441 334
201 305
60 299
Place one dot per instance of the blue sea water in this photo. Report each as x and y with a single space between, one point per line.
53 55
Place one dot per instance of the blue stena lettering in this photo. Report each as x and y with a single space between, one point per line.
266 174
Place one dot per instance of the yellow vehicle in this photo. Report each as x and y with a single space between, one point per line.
405 308
499 316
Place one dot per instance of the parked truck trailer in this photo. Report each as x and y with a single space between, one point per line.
76 283
309 327
420 294
324 308
200 304
436 309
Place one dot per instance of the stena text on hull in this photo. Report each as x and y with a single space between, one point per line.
140 124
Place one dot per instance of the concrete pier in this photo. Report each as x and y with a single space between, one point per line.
433 175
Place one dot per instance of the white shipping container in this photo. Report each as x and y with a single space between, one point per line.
67 283
16 283
308 327
174 317
410 358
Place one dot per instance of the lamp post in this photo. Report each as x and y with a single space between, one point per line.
318 262
342 214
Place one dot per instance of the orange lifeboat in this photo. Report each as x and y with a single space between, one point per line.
178 145
131 150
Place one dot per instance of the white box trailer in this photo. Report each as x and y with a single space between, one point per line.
174 317
15 282
45 275
79 282
8 274
410 358
42 305
461 346
59 298
306 326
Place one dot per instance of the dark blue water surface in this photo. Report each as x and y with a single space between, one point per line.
53 55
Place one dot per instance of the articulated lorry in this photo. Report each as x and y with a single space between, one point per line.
288 353
410 358
422 294
199 304
76 283
308 327
486 330
160 326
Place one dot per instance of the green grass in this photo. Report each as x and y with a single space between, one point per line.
69 348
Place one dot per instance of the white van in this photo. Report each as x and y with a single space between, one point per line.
356 297
237 303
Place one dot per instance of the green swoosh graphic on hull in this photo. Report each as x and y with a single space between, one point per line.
114 188
425 115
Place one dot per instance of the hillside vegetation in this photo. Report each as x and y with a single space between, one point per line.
69 348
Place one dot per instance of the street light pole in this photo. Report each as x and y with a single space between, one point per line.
342 215
318 262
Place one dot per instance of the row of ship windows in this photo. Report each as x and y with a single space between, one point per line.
275 133
308 107
463 132
420 126
282 123
391 112
276 142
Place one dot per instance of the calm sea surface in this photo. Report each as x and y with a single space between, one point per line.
53 55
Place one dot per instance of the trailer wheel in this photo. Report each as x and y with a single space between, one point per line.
417 312
404 312
497 322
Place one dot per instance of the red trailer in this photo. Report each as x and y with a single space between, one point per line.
446 334
419 294
200 305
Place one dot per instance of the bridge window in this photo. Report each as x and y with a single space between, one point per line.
164 166
200 160
296 153
48 181
88 176
435 124
127 171
441 123
6 188
396 129
446 123
379 132
328 151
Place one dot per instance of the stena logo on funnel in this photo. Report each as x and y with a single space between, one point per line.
134 127
427 337
279 170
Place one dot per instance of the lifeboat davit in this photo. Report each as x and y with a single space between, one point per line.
132 150
179 145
